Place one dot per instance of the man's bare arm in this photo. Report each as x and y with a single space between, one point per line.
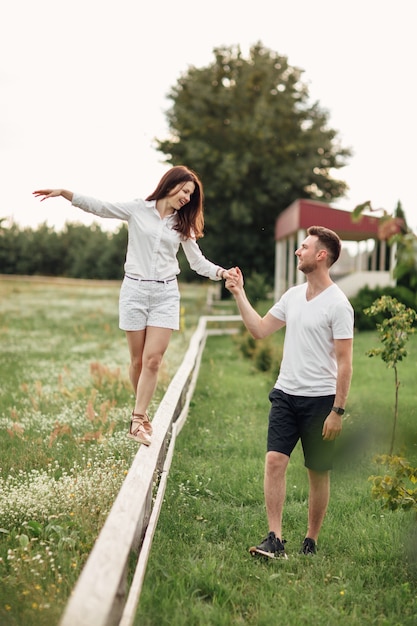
259 327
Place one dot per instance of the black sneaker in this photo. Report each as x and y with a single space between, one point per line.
271 547
308 547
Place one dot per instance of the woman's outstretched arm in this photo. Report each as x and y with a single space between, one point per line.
44 194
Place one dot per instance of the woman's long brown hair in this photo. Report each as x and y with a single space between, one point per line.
190 219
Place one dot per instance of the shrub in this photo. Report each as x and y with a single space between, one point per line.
264 358
366 297
396 490
257 287
266 354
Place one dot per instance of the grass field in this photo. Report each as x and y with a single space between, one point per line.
200 571
64 412
65 404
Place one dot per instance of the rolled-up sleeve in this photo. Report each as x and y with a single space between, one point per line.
198 261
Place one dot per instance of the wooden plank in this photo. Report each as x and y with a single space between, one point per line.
99 596
129 610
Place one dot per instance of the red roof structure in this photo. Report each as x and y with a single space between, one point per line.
304 213
291 229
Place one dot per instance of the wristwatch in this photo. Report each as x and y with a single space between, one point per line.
338 410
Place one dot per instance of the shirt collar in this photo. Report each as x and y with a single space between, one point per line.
151 204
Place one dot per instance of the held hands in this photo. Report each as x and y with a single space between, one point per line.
234 280
226 273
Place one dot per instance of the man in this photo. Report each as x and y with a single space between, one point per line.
309 396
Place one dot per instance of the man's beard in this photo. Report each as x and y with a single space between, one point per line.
308 268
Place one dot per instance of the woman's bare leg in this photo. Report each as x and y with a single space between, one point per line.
135 342
147 348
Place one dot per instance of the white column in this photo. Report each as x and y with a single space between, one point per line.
290 261
301 235
393 260
382 255
358 257
373 258
280 269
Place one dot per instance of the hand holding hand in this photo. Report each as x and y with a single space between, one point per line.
234 280
226 273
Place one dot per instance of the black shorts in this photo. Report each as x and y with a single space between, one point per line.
299 417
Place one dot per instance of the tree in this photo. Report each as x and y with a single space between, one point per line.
91 253
394 332
247 127
78 251
406 267
393 229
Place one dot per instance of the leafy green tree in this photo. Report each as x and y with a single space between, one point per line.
78 251
114 254
8 248
41 251
406 267
89 252
247 127
394 332
393 229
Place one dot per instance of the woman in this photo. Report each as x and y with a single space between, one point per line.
149 301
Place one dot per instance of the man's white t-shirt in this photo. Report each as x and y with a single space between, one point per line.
309 366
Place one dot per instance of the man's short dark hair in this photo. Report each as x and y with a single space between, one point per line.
329 240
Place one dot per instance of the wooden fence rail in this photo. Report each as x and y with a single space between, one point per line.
102 595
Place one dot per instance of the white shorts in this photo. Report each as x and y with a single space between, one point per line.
149 303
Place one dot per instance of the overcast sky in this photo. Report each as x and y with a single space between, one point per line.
84 85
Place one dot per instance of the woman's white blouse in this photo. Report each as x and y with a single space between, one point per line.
152 242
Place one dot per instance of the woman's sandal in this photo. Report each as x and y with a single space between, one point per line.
137 430
146 424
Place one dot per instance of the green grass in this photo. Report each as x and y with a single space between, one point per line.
64 411
200 571
65 404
